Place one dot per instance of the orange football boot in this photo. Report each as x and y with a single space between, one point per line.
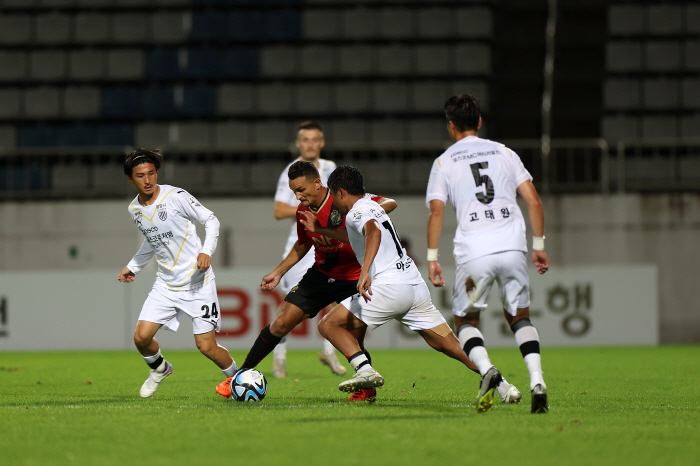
224 388
369 395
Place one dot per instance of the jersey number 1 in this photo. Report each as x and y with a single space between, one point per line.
397 240
480 179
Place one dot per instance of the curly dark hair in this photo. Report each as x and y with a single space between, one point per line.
140 156
349 178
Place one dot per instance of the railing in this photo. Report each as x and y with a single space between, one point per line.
569 166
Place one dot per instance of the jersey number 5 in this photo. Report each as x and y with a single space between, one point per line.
480 179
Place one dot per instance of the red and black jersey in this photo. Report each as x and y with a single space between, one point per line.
332 257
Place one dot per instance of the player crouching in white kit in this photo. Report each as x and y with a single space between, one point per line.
185 280
390 287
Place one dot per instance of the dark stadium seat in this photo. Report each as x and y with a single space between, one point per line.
208 26
121 101
157 102
240 62
199 100
282 25
34 135
244 25
115 135
79 134
162 63
203 63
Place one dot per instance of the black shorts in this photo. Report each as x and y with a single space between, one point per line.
317 290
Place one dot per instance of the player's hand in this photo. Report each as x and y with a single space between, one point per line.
270 281
126 276
541 261
310 222
435 273
364 286
203 262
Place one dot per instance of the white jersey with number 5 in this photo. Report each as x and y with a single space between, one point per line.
391 264
480 178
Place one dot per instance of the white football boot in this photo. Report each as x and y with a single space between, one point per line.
508 392
364 379
150 386
331 360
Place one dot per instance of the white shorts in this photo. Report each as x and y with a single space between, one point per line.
508 268
409 304
295 274
165 306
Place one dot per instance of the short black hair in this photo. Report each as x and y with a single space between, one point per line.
303 168
309 124
349 178
463 110
141 156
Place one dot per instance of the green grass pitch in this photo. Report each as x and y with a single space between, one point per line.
633 406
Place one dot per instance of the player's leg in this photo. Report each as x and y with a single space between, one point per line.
328 357
279 354
207 345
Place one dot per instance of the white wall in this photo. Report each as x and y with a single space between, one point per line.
581 230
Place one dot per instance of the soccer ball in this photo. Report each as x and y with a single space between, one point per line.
248 385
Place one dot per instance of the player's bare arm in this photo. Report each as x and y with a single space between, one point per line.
534 207
126 276
272 279
283 211
312 224
373 237
437 212
387 204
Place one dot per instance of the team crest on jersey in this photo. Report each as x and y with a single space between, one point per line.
335 219
194 202
294 289
356 216
162 213
137 218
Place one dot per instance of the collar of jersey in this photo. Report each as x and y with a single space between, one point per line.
328 195
154 211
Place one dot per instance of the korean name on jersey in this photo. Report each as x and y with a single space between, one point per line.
480 178
391 264
171 236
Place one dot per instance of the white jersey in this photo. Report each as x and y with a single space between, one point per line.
287 196
480 178
171 236
391 265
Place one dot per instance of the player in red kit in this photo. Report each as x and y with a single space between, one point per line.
332 278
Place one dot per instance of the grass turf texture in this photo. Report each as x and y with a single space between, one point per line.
607 406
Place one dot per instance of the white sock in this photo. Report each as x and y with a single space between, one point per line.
533 362
229 371
150 360
477 353
280 351
360 363
328 348
527 336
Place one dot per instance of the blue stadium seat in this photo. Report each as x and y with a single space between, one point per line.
240 62
115 135
199 100
76 135
208 25
244 25
36 136
203 63
157 102
30 177
283 25
162 63
121 101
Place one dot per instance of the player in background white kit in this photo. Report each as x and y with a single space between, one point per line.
390 287
310 142
481 178
185 280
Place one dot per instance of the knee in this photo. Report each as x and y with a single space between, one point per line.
141 340
323 326
206 347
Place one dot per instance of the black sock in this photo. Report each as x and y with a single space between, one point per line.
263 346
369 358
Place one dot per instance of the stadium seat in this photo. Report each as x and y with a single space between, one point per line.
115 135
36 135
272 132
199 100
435 22
108 178
75 135
659 126
661 93
244 25
275 98
13 65
349 131
380 173
92 27
190 174
73 177
356 60
692 55
473 59
665 19
263 176
194 135
42 102
279 60
388 130
130 27
623 56
417 173
691 93
626 19
352 97
313 98
428 96
11 103
203 63
390 96
169 27
233 99
125 64
621 94
228 177
282 24
208 25
359 23
618 127
31 176
162 63
692 18
81 101
479 88
320 24
393 60
52 28
15 29
47 65
690 126
317 60
231 134
8 137
427 130
662 56
86 64
240 63
153 135
396 23
158 102
474 21
121 101
432 59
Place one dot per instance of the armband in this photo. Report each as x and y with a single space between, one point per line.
432 254
538 243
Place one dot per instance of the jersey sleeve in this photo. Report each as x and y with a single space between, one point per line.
520 173
357 218
283 193
193 210
141 258
437 185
